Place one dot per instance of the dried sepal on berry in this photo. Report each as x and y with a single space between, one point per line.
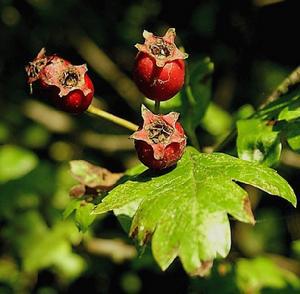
35 67
159 68
160 142
68 86
65 76
162 49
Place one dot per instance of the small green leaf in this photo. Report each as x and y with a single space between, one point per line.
84 216
290 112
293 135
72 206
285 111
244 112
83 213
15 162
185 209
257 141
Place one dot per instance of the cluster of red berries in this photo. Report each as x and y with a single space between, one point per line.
159 74
68 86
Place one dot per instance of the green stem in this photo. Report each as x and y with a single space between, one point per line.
113 118
157 106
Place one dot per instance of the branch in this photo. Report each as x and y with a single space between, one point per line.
115 119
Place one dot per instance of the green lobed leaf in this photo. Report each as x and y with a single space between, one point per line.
15 162
258 141
185 209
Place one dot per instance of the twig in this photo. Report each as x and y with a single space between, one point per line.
291 80
115 119
106 68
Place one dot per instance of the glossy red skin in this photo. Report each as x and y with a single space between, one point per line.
75 102
158 83
173 152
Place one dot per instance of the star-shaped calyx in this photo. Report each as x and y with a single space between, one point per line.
158 131
65 76
162 49
34 68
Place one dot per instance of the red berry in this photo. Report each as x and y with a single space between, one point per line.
68 86
75 101
159 66
161 141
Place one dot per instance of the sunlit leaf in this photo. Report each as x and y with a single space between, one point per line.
258 141
290 112
82 213
72 206
184 210
83 216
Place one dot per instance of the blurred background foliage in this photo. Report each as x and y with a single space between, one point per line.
253 45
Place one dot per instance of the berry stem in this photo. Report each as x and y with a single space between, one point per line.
156 106
113 118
